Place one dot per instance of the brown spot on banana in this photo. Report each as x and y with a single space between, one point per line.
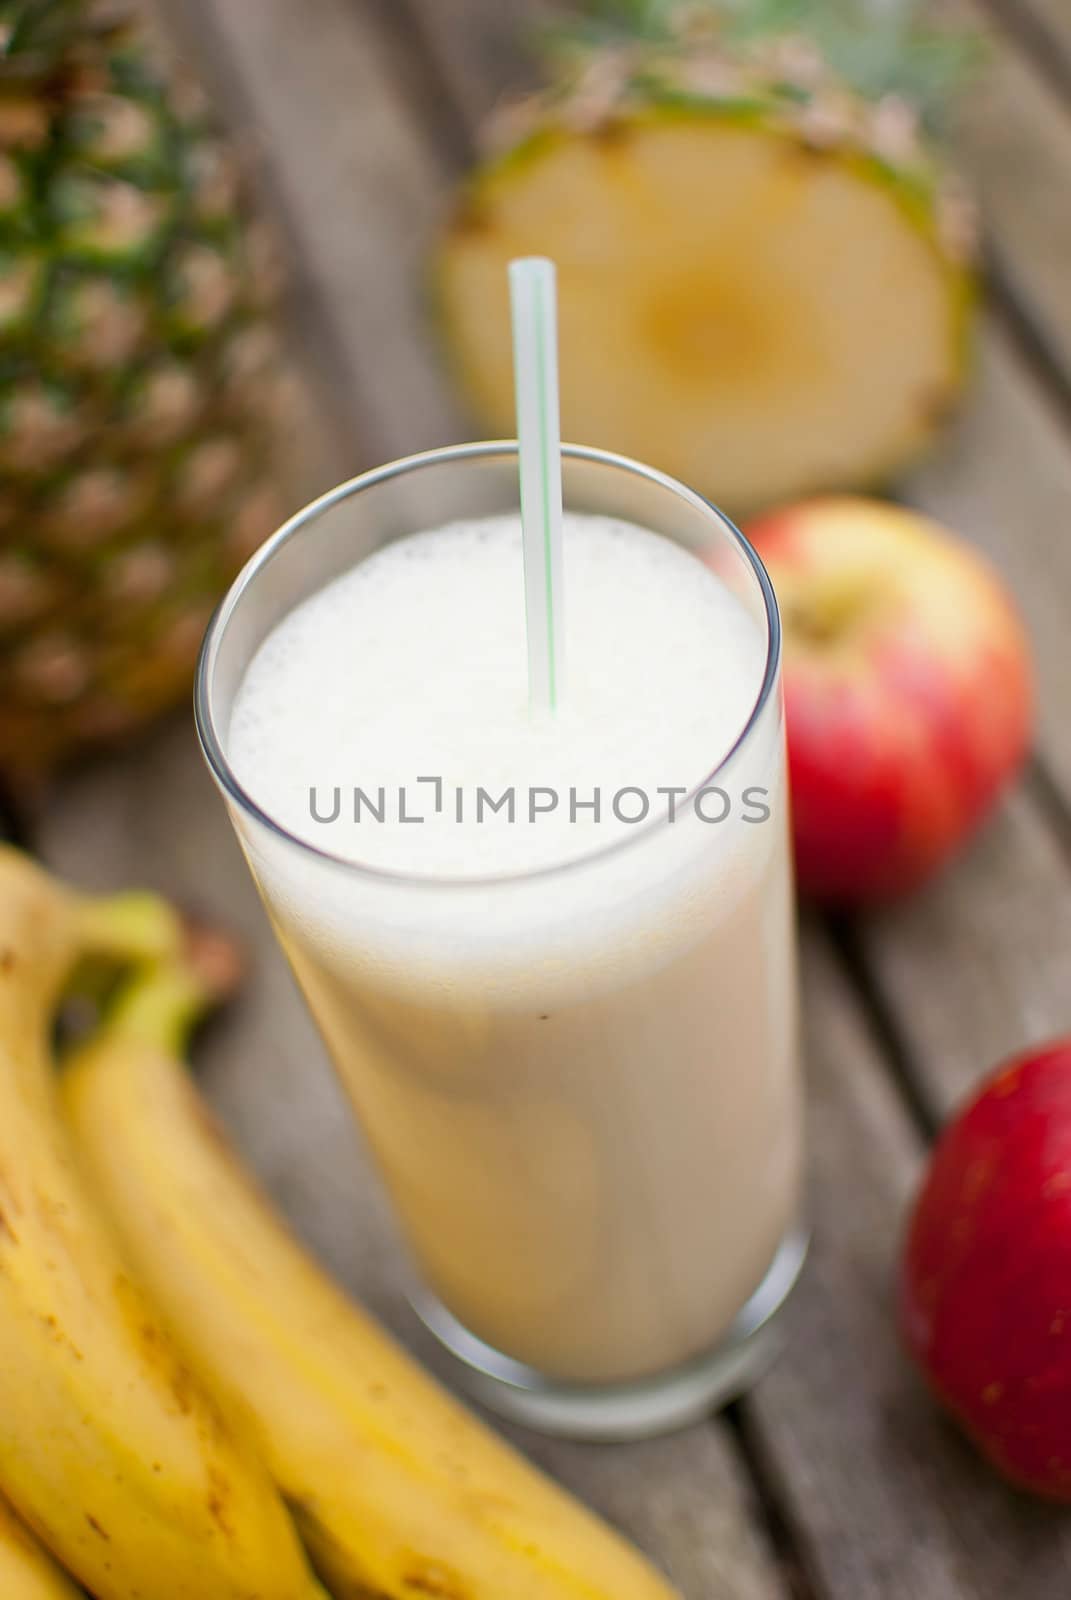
429 1578
218 1502
57 1333
182 1387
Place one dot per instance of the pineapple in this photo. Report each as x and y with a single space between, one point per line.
764 267
138 378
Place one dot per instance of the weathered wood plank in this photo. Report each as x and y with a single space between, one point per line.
484 54
1003 478
1013 140
1046 25
887 1502
1053 13
976 967
684 1498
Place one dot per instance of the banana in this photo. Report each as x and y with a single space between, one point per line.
27 1572
109 1448
398 1491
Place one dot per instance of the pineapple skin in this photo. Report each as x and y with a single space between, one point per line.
141 385
882 145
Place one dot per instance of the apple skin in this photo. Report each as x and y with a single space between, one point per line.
908 691
985 1279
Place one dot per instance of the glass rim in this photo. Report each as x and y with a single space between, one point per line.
212 745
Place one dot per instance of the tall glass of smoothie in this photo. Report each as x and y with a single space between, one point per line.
552 957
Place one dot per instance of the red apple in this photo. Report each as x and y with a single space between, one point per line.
985 1287
907 691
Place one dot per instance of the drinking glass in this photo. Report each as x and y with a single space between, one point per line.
579 1083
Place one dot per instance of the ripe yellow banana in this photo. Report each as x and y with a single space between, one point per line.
27 1572
399 1493
109 1448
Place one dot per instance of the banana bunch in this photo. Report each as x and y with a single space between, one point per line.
110 1447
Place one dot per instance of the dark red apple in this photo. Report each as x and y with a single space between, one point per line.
907 691
985 1283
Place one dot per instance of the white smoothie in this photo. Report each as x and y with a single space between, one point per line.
569 1031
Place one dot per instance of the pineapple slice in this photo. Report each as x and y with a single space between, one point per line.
764 290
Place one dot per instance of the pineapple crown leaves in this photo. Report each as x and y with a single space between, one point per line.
875 49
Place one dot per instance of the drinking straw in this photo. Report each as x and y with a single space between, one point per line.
535 367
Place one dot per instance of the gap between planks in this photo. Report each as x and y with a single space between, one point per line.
1052 803
1042 30
1023 330
421 79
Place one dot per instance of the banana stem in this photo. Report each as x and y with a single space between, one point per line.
162 1002
158 1007
133 928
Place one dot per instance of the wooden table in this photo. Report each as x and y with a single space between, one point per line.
836 1479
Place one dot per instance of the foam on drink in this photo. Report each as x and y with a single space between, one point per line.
414 664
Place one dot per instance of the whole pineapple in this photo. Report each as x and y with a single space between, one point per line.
138 377
764 264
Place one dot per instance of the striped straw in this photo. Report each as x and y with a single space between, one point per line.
535 366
